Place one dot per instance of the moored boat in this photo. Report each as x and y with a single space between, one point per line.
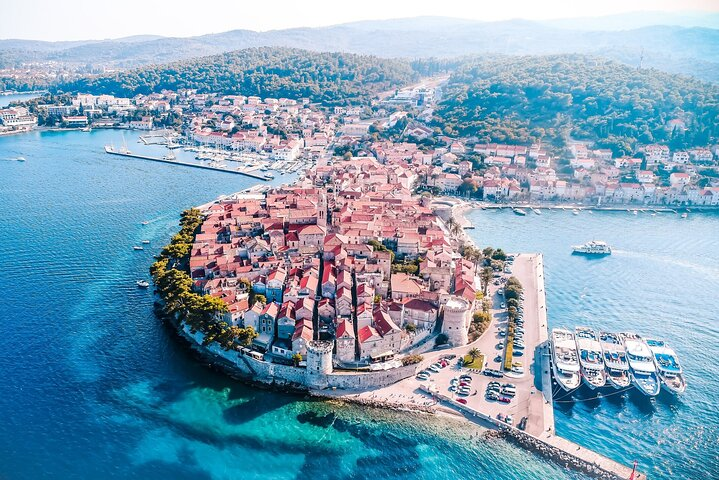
615 360
590 358
668 367
565 364
519 211
142 283
641 363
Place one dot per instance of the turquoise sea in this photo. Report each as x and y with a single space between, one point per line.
94 386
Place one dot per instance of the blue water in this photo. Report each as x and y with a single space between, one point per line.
661 280
5 100
94 387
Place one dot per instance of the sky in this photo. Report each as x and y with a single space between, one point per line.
98 19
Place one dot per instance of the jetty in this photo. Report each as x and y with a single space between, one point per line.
112 151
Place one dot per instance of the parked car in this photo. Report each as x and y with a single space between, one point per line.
463 401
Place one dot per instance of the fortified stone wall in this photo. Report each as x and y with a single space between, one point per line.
276 374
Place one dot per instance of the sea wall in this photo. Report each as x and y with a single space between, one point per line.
294 377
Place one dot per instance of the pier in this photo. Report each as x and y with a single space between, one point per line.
187 164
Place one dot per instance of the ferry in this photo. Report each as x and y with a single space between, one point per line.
519 211
615 360
565 364
590 358
641 363
668 367
142 283
595 247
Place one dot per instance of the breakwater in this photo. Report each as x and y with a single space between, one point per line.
188 164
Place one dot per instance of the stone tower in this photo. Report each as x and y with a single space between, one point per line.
345 338
322 210
457 317
319 363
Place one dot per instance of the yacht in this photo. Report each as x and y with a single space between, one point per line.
590 357
575 212
20 159
565 364
595 247
668 367
537 211
142 283
615 360
519 211
641 363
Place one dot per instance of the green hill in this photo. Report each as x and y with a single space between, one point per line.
524 99
330 78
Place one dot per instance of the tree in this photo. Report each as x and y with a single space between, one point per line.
485 276
260 298
410 328
474 353
442 339
296 359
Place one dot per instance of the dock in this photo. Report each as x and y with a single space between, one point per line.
533 398
187 164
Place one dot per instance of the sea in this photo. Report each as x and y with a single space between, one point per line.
94 386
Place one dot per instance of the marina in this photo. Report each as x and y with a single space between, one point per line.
169 160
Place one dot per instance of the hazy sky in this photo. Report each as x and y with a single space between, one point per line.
96 19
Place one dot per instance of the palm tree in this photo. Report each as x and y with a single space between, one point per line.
474 353
485 275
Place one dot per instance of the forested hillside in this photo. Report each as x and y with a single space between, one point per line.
330 78
524 99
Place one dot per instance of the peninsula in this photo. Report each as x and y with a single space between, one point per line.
347 285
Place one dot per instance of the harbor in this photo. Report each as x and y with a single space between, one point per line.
239 171
528 417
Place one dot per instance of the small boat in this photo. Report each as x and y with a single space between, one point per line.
20 159
684 215
145 242
615 360
595 247
635 212
537 211
668 367
519 211
145 222
590 357
575 212
641 363
137 247
565 363
142 283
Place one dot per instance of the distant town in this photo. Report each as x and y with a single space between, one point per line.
396 131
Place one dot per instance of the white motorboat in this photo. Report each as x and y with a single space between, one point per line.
615 360
142 283
590 357
595 247
565 363
668 367
641 363
519 211
137 247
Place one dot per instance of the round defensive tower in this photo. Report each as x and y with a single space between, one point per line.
319 363
457 318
